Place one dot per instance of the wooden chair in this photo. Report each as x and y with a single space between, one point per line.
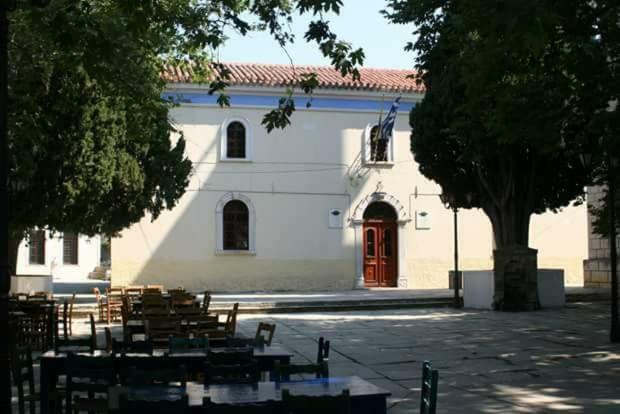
210 407
183 345
206 301
268 329
283 372
152 288
230 326
152 301
183 300
323 351
201 325
133 290
428 395
236 342
232 367
141 347
158 330
88 381
161 373
23 373
66 343
114 303
66 321
244 373
304 404
177 291
101 303
127 406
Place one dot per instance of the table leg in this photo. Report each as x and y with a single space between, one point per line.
285 360
47 386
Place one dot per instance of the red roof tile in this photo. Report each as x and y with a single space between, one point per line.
255 74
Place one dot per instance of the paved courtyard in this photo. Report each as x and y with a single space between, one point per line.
538 362
489 362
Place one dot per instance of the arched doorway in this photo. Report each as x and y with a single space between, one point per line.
380 245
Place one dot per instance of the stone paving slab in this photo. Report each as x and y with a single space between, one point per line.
538 362
489 362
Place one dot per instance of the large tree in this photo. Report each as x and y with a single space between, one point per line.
515 91
88 133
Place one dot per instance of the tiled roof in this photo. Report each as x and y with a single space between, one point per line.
254 74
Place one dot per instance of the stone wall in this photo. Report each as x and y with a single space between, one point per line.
597 268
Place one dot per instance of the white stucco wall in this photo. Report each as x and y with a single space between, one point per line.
295 177
89 249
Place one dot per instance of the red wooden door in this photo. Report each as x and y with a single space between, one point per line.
380 264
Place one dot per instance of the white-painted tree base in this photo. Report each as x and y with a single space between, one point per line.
478 286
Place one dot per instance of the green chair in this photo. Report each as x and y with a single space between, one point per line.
178 345
428 398
283 372
305 404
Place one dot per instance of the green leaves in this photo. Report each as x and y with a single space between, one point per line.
514 92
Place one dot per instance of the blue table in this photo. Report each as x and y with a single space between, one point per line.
365 397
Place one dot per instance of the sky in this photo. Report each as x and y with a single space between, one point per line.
359 23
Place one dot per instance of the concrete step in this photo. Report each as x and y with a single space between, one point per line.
85 303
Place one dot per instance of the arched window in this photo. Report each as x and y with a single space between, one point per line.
235 140
236 224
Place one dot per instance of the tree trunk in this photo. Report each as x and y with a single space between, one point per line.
13 250
515 264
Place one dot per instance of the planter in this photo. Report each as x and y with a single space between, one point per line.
478 288
31 283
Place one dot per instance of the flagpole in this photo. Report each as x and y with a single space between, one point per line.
379 129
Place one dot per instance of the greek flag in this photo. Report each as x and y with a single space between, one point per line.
388 123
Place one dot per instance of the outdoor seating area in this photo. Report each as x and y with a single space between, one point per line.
170 355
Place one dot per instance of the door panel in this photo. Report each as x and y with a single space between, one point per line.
380 250
371 260
388 255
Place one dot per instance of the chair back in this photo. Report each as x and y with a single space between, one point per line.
178 345
231 320
428 394
160 329
151 288
323 351
176 291
182 299
305 404
89 375
283 372
210 407
206 301
157 374
242 373
23 372
265 331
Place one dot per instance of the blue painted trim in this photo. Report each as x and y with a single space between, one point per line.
272 102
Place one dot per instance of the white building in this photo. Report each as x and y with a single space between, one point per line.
310 206
67 257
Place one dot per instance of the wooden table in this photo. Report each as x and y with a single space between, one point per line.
53 364
365 397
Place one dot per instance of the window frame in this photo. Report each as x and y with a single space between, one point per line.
366 147
219 221
77 249
41 248
240 222
224 140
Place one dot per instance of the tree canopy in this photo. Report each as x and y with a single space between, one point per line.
89 134
515 92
